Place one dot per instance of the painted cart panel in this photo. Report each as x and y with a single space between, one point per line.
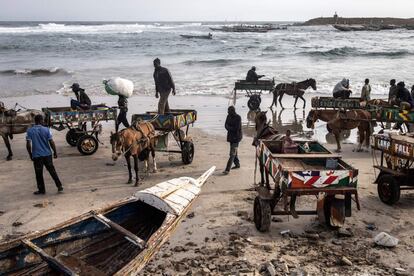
65 115
316 175
393 115
330 102
171 121
395 145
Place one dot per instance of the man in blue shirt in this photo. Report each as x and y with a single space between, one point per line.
39 141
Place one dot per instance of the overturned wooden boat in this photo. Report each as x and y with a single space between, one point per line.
117 240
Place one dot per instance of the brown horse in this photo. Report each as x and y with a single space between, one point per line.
15 122
338 121
136 141
295 89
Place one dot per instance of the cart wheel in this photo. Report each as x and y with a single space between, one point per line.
72 137
87 144
262 214
388 189
254 102
187 152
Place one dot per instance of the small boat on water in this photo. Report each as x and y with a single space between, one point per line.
242 29
117 240
209 36
370 27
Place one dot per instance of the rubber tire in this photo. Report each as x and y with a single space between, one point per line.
187 152
254 102
262 214
92 140
393 187
72 137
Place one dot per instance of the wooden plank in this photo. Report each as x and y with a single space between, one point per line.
306 155
53 262
127 234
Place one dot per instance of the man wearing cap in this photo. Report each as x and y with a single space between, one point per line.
39 141
252 76
164 84
82 100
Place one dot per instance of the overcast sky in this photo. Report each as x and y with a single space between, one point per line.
197 10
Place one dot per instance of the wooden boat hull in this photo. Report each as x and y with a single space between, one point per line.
197 36
116 240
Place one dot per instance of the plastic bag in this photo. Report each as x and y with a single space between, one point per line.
119 86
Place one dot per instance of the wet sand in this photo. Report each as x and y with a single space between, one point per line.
220 239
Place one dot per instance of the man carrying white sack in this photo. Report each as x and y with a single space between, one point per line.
163 86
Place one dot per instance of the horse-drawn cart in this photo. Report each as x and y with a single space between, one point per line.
172 123
87 141
253 91
312 170
395 167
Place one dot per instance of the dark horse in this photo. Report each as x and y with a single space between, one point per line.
295 89
266 132
136 141
14 122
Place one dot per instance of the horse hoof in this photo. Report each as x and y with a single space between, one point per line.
129 182
136 184
338 151
9 158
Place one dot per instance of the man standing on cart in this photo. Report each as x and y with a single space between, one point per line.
164 84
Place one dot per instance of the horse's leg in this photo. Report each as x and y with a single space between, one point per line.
296 100
361 139
8 146
368 132
274 102
304 101
280 99
337 134
154 162
136 169
128 159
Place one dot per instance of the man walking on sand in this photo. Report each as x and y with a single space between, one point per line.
234 136
39 141
164 84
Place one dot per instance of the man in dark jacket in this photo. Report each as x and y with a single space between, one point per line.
392 94
82 100
123 110
164 84
403 95
252 76
234 136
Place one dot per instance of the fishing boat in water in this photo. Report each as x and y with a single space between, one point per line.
242 29
209 36
117 240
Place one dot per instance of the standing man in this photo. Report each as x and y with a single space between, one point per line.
163 86
392 94
234 136
366 91
252 76
123 110
39 141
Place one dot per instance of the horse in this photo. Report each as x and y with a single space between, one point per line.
266 132
15 122
136 141
295 89
338 121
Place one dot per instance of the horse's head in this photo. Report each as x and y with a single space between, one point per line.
311 119
261 119
116 142
312 83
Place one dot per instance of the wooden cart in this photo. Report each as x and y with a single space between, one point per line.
313 170
395 166
171 124
87 141
253 91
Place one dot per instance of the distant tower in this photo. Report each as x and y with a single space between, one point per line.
335 18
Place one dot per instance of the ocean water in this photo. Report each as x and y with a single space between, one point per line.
46 58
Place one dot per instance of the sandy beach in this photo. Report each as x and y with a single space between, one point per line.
219 237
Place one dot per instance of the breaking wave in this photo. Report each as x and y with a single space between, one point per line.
351 51
220 61
36 72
